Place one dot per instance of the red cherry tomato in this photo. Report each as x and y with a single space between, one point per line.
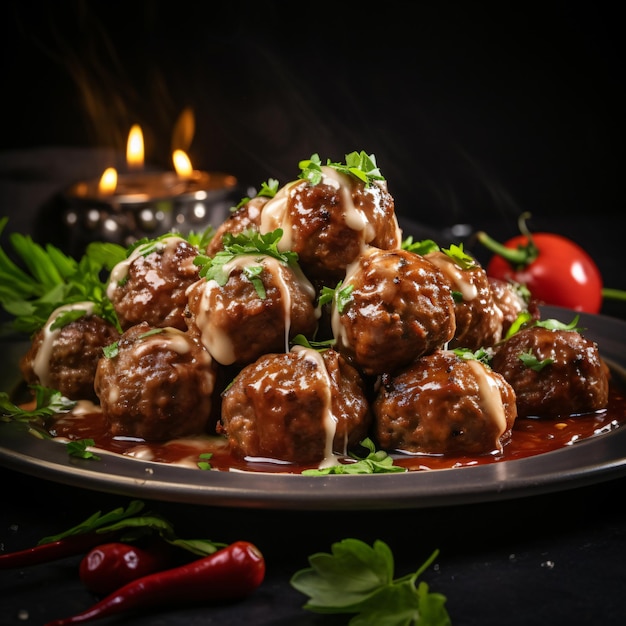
555 270
111 565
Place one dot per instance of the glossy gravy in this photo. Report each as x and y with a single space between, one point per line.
530 437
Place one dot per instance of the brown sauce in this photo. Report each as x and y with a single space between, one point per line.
530 437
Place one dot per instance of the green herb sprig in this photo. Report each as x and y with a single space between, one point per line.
359 164
48 402
358 578
47 279
268 190
376 462
249 242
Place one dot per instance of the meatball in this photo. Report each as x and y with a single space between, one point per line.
478 319
66 358
301 406
512 299
158 386
399 307
237 323
328 224
445 404
149 286
246 217
554 372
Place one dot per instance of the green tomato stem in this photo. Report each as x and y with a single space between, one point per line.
613 294
519 257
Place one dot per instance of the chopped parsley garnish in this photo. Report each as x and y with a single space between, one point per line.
48 402
552 324
250 242
203 462
532 362
79 449
459 256
483 355
341 295
376 462
268 190
320 346
420 247
358 164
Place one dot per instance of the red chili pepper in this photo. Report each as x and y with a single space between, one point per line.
111 565
231 573
555 270
54 550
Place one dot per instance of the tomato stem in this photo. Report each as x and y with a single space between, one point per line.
520 257
613 294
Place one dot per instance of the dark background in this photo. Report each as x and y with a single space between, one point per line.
473 111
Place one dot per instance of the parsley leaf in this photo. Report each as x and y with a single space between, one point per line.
48 402
358 164
376 462
250 242
460 257
78 449
532 362
358 578
420 247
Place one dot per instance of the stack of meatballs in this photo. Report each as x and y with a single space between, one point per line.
329 332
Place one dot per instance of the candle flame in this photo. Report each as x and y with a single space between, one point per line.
134 148
182 164
108 181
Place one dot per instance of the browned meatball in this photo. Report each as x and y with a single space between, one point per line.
302 407
149 286
329 223
399 309
66 358
158 386
478 319
246 217
237 324
512 299
573 379
444 404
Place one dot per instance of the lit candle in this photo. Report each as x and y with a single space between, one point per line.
124 207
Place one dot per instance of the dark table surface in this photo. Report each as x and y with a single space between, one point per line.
554 558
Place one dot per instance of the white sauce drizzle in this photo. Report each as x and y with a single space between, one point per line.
454 274
41 362
330 421
275 215
490 396
213 338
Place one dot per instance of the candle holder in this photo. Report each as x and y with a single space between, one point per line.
146 204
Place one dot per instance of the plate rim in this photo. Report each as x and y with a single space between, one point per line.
594 460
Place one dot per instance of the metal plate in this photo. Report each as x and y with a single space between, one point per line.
598 459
